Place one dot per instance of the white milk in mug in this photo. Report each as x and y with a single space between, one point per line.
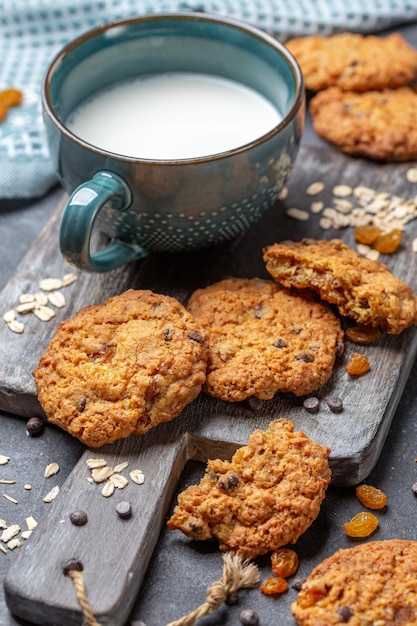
173 116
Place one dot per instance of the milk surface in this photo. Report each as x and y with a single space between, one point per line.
173 116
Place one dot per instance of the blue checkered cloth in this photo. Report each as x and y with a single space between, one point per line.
33 31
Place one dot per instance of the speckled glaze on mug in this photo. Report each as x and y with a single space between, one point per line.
168 205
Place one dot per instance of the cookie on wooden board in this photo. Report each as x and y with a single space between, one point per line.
121 367
263 339
380 125
265 497
362 289
371 583
354 62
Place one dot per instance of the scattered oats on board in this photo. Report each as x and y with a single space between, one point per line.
9 498
108 489
121 466
137 476
101 474
93 463
118 481
37 303
342 191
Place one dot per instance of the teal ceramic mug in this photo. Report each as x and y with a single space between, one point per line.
165 204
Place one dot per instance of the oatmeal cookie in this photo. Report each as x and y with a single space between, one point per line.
379 125
265 497
264 339
121 367
371 583
355 62
361 288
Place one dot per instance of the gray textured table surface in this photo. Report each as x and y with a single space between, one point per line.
178 576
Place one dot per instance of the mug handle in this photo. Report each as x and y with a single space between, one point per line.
78 219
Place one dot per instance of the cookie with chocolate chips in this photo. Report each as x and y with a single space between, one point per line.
265 497
121 367
264 339
371 583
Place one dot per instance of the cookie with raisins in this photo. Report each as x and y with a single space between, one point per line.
362 289
121 367
264 339
265 497
371 583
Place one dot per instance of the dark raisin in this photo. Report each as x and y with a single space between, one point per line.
124 509
335 404
81 404
345 613
35 426
280 343
78 518
307 358
228 482
232 598
167 334
195 336
249 618
72 565
298 582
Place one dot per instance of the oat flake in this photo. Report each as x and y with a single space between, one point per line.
52 494
137 476
100 474
93 463
411 175
315 188
4 459
51 469
297 214
108 489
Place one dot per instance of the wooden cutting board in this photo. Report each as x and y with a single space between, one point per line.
115 552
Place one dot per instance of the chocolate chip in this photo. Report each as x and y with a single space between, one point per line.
72 565
167 334
345 613
335 404
195 336
249 618
232 598
81 404
298 582
258 312
307 358
197 530
78 518
311 404
280 343
35 426
124 509
228 482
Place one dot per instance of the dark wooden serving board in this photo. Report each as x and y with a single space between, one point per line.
114 563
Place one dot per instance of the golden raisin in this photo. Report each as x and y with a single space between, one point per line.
361 525
3 111
371 497
11 97
310 597
388 243
366 234
358 365
363 334
273 585
284 562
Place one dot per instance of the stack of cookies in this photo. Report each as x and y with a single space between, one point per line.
364 102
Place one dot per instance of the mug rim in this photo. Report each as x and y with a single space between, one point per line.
241 25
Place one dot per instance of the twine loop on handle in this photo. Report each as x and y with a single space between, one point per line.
237 574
